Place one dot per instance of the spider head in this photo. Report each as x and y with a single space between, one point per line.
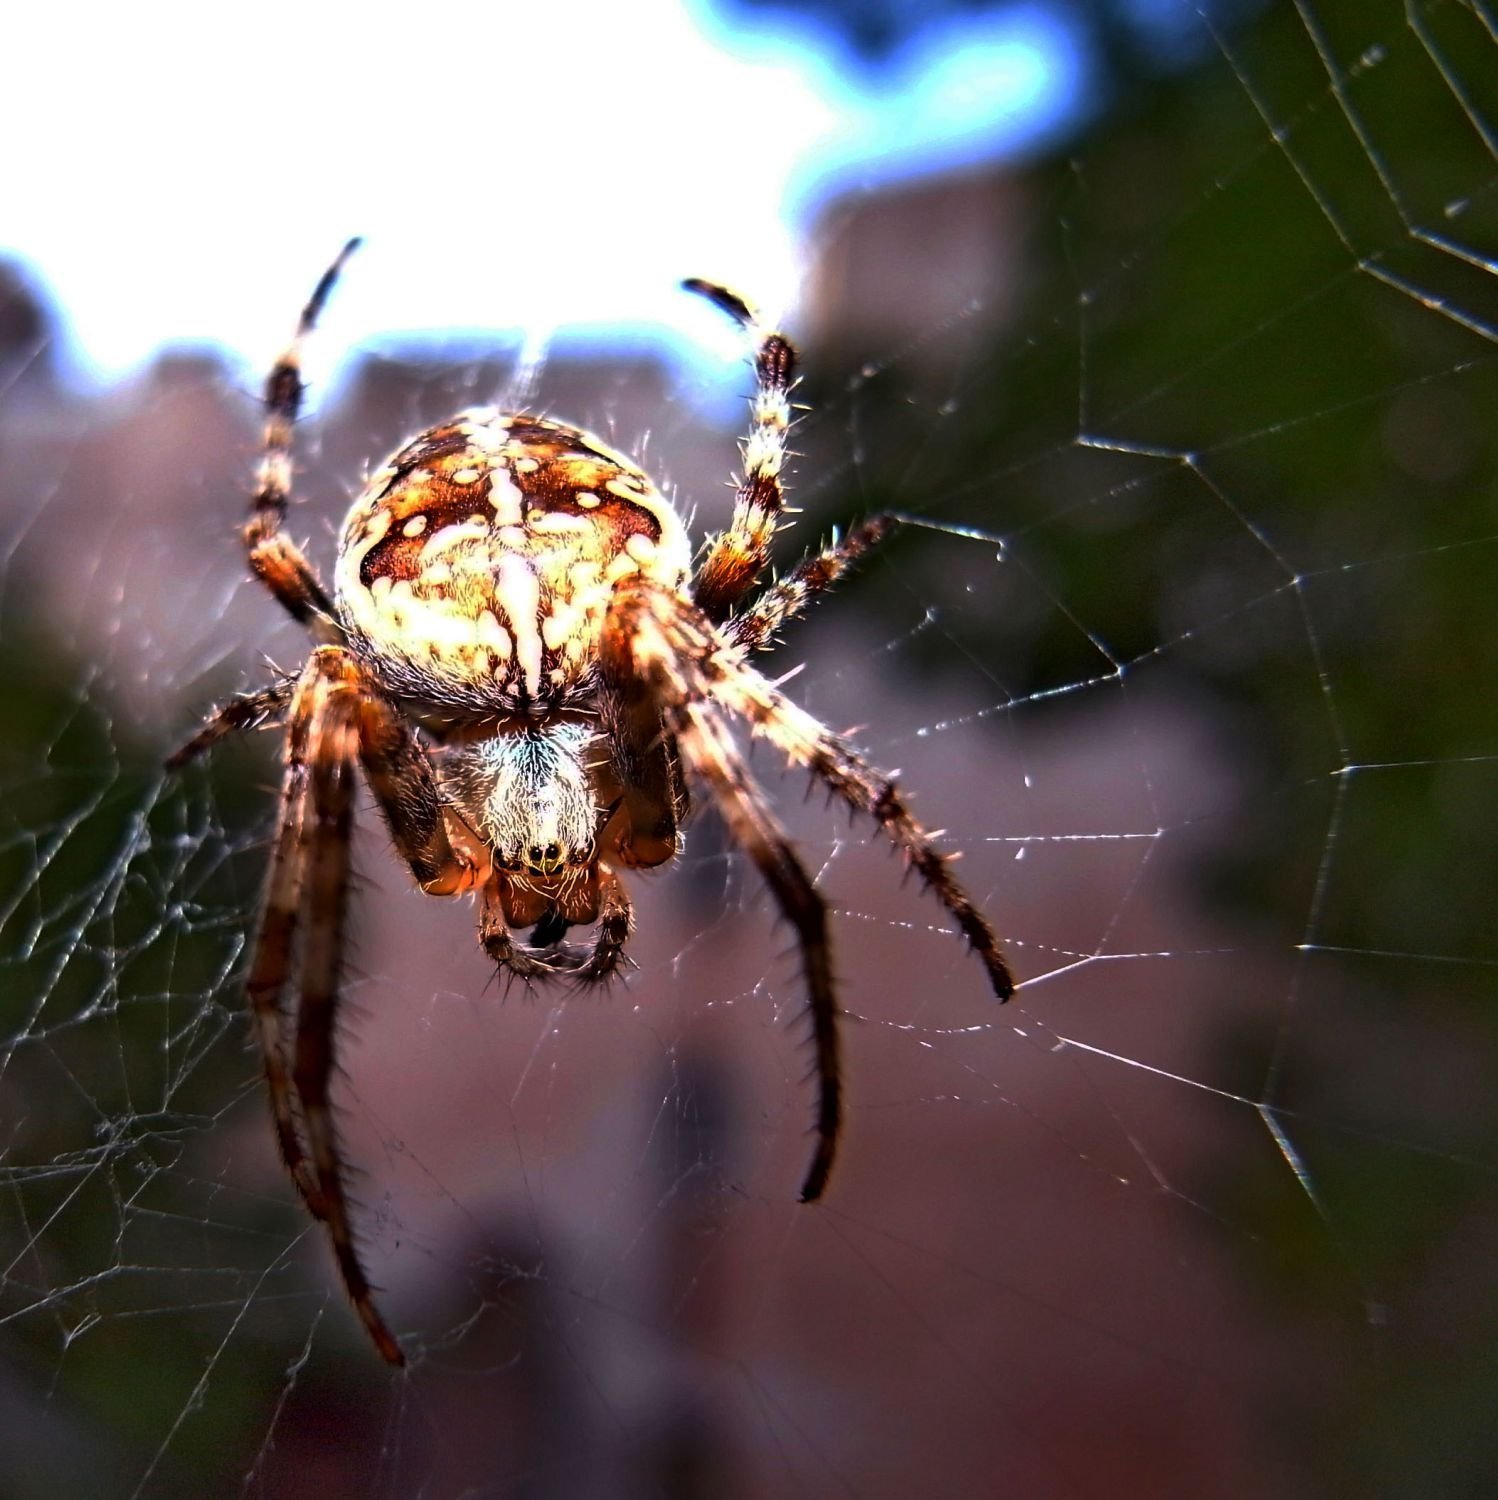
549 860
527 794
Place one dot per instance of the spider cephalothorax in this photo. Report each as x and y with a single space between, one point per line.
522 660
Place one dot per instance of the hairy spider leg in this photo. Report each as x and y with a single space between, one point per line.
338 719
615 923
816 573
271 963
653 801
274 558
244 711
805 741
494 933
657 639
327 826
735 558
711 754
643 656
308 889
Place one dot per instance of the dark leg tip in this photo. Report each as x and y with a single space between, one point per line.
816 1177
723 299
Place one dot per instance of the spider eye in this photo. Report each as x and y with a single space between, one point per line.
547 860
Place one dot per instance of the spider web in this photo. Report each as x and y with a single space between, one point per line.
1188 647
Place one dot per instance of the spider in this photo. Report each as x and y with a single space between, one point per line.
521 657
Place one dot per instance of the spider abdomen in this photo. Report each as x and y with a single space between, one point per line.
476 568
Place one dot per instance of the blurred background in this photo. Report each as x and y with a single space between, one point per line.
1173 330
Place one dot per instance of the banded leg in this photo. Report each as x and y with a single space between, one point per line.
307 891
674 643
640 658
736 557
270 967
246 711
805 741
274 558
400 775
783 601
328 832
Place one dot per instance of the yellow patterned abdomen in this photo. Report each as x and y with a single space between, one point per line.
477 567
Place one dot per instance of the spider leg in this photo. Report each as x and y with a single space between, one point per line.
274 558
603 900
706 665
736 557
326 830
246 711
270 968
338 718
494 933
805 741
400 776
781 602
641 656
308 879
653 801
615 922
711 754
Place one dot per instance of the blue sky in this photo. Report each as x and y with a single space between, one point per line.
184 171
